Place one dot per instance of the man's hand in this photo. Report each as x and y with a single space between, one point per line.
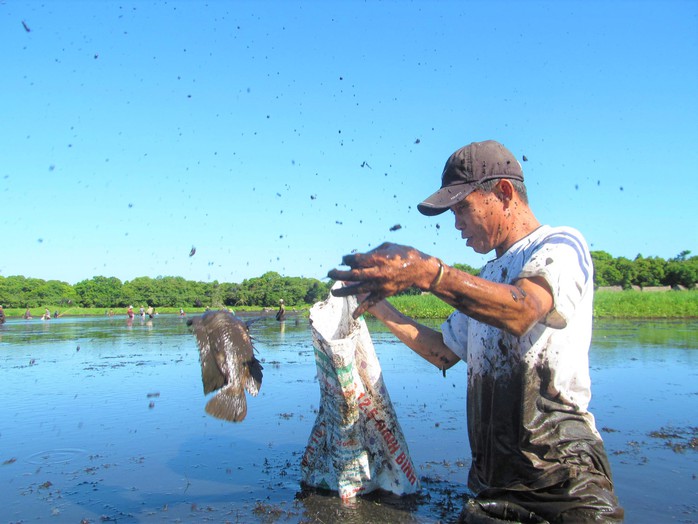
384 272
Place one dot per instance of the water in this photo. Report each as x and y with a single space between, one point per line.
104 421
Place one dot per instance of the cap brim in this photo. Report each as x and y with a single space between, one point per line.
444 198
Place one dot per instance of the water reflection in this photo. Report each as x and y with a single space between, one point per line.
656 334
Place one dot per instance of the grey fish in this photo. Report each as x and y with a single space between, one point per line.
227 363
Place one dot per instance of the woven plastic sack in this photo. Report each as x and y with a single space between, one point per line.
356 445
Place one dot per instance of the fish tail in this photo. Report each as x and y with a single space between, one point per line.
228 404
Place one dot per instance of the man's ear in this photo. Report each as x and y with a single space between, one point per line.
505 190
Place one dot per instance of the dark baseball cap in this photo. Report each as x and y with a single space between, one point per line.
466 168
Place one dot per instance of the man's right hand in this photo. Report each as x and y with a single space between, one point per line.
384 272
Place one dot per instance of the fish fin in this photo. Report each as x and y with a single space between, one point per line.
250 321
254 380
211 374
228 405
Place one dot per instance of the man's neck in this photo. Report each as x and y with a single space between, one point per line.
523 223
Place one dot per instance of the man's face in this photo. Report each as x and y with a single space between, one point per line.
478 220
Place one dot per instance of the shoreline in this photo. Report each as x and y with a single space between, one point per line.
610 303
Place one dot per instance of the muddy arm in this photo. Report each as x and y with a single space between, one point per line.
391 268
425 341
514 308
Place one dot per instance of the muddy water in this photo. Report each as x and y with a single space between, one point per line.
104 421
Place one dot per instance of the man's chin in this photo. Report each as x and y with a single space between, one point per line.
472 245
477 247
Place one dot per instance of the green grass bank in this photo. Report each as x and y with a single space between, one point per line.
37 312
629 304
607 304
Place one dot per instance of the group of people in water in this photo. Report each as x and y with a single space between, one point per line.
130 313
28 315
142 312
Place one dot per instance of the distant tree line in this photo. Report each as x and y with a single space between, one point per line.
680 271
109 292
267 290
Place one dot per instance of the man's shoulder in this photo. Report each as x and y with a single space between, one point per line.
558 248
545 231
563 235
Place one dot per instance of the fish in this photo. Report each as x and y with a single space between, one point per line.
228 363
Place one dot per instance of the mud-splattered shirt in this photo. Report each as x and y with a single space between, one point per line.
527 398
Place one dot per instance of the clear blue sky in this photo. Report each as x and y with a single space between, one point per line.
132 131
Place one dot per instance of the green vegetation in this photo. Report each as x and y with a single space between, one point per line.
120 311
168 294
161 292
421 306
641 304
607 304
681 270
623 273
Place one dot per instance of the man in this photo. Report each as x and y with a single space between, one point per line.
281 313
524 329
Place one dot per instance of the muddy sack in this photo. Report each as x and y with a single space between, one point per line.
356 445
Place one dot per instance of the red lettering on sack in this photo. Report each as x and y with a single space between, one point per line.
318 433
406 467
310 450
390 441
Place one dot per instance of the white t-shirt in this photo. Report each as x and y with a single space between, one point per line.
528 396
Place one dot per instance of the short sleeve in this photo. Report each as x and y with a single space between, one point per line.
563 260
455 334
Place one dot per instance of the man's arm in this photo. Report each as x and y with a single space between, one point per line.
391 268
425 341
514 308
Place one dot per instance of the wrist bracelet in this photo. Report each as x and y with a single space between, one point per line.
439 275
